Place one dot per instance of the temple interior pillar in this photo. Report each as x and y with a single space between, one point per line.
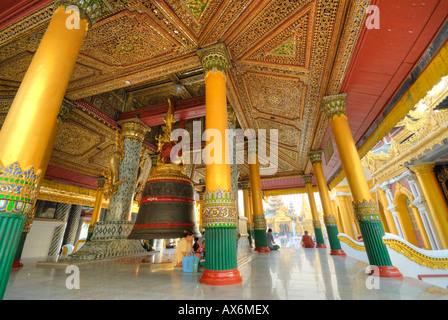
365 208
30 126
438 207
220 215
320 242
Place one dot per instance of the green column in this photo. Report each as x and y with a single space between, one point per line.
320 242
329 218
372 233
18 191
220 221
364 205
11 226
220 214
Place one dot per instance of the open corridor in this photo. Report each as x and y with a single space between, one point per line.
288 274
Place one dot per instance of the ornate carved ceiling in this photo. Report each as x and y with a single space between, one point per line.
286 56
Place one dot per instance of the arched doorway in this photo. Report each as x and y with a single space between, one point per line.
410 219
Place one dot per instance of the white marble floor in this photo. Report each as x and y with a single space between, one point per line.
289 274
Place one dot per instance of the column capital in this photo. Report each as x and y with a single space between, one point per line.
215 58
307 178
334 105
134 129
93 10
244 185
101 182
423 168
315 156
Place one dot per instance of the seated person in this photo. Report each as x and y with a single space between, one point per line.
196 244
201 249
307 241
184 245
271 243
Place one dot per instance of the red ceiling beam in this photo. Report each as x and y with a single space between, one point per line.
186 109
12 11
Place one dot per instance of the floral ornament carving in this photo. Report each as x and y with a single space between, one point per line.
315 157
366 211
111 174
215 58
308 179
18 188
334 105
219 209
94 10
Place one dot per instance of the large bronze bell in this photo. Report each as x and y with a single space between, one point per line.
167 206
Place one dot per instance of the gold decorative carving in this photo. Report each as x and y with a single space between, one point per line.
111 174
169 171
18 188
352 244
215 58
280 42
308 179
421 259
421 130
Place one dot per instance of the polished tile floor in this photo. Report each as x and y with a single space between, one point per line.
289 274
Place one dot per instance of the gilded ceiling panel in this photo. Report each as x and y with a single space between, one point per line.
287 135
284 54
136 39
290 45
275 96
83 144
273 15
75 140
298 52
196 14
14 69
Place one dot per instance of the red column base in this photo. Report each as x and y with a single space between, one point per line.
221 277
338 253
262 249
390 272
323 246
17 264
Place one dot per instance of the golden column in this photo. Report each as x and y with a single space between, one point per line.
220 215
200 204
438 207
258 218
346 216
365 208
97 206
250 222
30 125
329 218
247 210
66 106
320 242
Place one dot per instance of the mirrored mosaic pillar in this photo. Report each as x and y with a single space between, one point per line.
110 237
133 132
220 217
329 218
365 207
